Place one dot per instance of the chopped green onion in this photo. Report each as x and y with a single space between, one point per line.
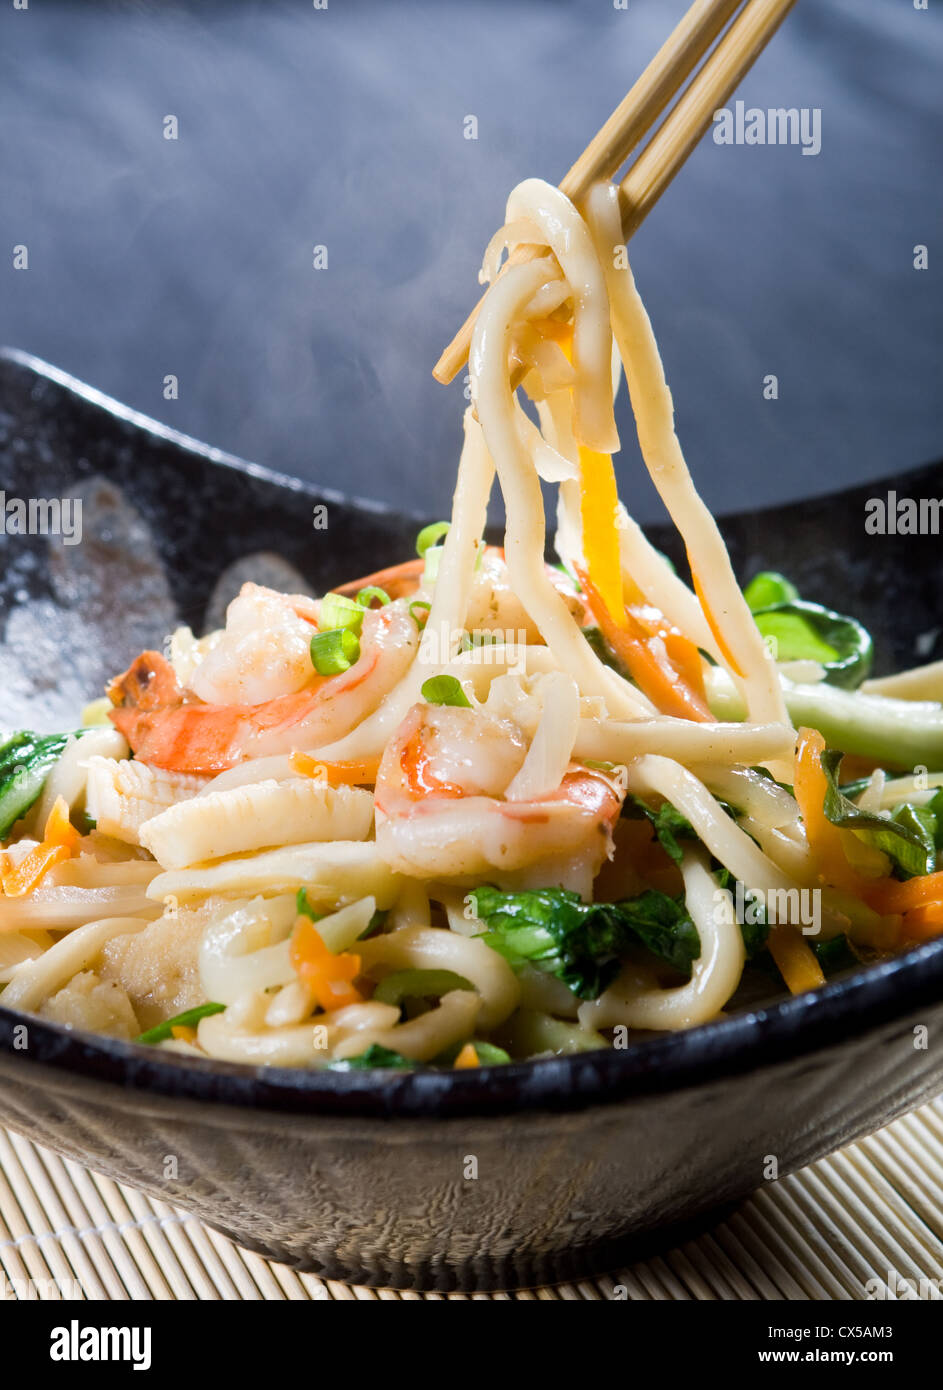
432 557
418 984
767 588
340 612
444 690
187 1019
429 535
335 651
419 603
303 906
373 593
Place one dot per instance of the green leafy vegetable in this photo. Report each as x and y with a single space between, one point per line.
418 984
376 921
808 632
835 954
582 943
767 588
445 690
669 824
334 651
908 836
25 762
375 1056
754 927
188 1019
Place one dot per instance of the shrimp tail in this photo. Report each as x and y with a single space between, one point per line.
149 683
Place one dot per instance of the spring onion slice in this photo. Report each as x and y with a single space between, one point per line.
445 690
373 594
188 1019
430 535
340 612
334 651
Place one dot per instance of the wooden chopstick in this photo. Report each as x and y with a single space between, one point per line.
638 111
672 143
693 113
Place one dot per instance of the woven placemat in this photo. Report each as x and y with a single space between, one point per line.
869 1216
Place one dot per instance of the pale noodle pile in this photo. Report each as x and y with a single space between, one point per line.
263 780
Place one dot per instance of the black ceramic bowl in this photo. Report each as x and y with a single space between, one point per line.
473 1179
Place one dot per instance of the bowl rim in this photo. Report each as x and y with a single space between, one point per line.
865 999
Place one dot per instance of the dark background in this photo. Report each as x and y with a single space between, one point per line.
345 127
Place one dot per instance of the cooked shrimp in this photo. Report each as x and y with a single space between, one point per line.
441 812
494 607
168 728
264 652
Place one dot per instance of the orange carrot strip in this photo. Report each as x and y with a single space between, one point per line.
714 626
21 878
634 644
358 773
328 976
467 1058
182 1033
891 896
923 923
59 829
60 841
796 960
825 839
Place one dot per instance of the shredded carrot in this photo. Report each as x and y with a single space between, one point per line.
59 829
795 958
23 876
673 684
825 839
467 1058
328 976
714 626
892 896
60 841
182 1033
923 923
358 773
599 504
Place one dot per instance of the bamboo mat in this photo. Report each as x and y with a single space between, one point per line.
873 1211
